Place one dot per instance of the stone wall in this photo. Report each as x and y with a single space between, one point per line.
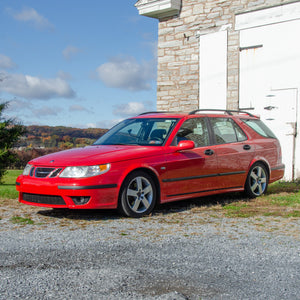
178 50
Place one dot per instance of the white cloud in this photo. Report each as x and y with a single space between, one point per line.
6 62
30 15
132 108
107 124
126 73
70 51
26 112
30 87
91 125
64 75
17 105
76 107
45 111
104 124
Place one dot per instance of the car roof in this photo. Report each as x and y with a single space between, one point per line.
198 112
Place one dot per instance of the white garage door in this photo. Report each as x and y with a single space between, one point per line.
270 83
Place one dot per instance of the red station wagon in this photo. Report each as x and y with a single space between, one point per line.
158 157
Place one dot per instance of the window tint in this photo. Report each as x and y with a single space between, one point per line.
194 130
260 128
144 131
226 131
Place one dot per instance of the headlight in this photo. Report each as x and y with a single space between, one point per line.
27 169
84 171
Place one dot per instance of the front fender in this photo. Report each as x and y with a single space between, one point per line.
154 166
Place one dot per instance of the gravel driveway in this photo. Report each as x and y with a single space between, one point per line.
178 253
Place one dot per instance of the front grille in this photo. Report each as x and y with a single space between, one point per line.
43 199
43 172
55 173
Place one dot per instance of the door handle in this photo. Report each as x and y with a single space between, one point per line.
208 152
246 147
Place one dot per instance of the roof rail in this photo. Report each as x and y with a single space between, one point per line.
227 111
243 112
153 112
161 112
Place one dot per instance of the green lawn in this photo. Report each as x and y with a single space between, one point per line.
8 188
282 199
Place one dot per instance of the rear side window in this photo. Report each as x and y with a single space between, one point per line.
226 131
259 127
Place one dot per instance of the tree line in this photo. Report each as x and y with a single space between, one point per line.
58 137
42 140
19 144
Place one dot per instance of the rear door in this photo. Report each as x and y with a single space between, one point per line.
233 151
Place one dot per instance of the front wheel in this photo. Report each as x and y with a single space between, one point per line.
257 180
138 195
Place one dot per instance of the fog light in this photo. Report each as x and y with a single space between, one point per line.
80 200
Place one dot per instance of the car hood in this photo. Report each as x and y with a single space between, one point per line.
92 155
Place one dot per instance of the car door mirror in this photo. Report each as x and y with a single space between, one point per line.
185 145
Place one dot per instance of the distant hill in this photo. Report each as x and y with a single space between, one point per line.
41 140
59 136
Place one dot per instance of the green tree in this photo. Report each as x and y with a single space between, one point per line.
10 131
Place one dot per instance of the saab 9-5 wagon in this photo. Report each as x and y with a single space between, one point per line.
157 157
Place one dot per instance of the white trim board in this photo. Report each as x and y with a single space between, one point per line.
282 13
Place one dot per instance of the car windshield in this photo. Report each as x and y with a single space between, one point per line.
140 131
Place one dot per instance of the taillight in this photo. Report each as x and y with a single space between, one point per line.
279 157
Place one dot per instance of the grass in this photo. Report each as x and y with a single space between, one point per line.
8 188
21 220
281 200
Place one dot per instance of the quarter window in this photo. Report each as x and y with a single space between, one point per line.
226 131
260 128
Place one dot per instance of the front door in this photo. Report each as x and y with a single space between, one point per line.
191 172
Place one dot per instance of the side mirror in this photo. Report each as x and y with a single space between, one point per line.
185 145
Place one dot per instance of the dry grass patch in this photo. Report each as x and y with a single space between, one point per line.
282 200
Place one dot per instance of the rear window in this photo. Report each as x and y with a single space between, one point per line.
259 127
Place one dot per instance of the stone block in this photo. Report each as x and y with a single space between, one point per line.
198 9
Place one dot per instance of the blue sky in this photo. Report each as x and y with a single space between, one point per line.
76 63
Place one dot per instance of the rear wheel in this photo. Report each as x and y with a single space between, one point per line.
257 180
138 195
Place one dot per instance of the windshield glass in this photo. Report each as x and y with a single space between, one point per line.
145 131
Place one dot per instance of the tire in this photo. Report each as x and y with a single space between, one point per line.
138 195
257 180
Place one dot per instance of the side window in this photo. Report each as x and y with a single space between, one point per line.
226 131
159 132
195 130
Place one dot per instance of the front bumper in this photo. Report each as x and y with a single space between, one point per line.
87 193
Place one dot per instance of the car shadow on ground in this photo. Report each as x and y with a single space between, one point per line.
162 209
201 202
